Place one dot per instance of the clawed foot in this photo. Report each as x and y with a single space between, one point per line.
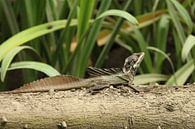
133 88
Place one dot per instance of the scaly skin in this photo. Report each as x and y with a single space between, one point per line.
68 82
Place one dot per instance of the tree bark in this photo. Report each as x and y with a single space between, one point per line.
155 107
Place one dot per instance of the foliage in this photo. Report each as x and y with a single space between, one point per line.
67 34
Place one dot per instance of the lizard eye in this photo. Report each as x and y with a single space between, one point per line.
128 64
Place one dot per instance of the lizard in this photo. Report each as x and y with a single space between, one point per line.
104 77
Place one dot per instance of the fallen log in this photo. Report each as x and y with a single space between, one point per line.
155 107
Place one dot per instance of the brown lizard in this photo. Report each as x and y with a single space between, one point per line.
102 77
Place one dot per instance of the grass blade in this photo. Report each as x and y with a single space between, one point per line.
113 12
30 34
84 15
109 43
144 21
184 14
42 67
65 38
176 21
91 38
161 41
182 74
9 57
164 56
143 47
11 18
29 12
188 45
148 78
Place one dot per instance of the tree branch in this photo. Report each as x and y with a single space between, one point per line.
156 107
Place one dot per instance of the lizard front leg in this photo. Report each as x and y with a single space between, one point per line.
131 85
133 88
97 87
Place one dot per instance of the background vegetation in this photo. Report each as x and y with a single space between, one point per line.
66 36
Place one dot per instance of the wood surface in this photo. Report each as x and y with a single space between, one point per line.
155 107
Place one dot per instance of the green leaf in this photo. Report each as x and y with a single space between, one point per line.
84 14
139 37
161 40
31 33
42 67
51 10
29 12
10 16
182 74
122 44
188 45
148 78
9 57
183 13
164 55
176 21
91 38
120 13
111 39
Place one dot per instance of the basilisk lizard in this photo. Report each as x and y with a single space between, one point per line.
101 77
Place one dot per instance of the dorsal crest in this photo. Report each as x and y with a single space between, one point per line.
94 72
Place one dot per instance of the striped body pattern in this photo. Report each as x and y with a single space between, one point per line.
67 82
111 76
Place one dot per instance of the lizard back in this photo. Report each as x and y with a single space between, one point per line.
112 76
45 84
68 82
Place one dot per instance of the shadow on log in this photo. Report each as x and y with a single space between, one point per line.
155 107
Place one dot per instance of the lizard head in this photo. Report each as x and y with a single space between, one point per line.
132 62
